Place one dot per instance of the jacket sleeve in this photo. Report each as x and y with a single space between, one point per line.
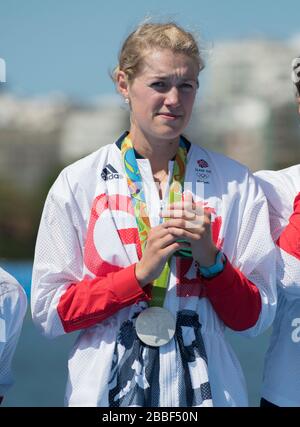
90 301
234 298
282 191
253 262
288 253
13 305
62 299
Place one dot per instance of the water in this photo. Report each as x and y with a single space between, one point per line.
21 270
40 364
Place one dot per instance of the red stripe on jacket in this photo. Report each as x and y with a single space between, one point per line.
289 240
234 298
91 301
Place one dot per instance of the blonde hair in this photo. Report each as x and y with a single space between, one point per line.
155 35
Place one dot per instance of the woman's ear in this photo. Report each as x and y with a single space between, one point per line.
122 84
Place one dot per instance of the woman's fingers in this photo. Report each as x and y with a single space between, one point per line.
189 225
167 240
184 210
192 207
178 213
171 249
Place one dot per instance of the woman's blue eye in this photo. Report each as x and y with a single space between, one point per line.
158 85
164 86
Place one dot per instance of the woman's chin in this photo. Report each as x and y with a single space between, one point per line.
169 131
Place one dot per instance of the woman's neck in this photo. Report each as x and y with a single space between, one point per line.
158 151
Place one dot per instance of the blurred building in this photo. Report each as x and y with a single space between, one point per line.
248 111
257 68
38 136
87 129
29 139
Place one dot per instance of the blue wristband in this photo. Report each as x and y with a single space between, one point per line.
215 269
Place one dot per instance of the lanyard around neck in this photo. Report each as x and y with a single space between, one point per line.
135 184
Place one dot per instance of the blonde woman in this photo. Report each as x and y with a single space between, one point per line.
151 246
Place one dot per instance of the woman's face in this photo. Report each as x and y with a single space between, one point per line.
162 95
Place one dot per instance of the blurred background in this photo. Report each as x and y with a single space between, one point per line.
58 103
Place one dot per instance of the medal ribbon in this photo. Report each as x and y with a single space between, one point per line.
135 184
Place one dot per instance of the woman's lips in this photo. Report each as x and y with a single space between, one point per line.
169 116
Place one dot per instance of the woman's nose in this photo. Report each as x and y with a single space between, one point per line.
172 97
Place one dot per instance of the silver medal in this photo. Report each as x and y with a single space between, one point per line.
155 326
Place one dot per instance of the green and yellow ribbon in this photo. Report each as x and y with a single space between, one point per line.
135 184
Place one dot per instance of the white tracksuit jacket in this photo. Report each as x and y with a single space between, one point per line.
281 384
80 238
13 305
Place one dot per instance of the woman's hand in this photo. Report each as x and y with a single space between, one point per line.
161 245
192 224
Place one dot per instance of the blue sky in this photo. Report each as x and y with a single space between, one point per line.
69 46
